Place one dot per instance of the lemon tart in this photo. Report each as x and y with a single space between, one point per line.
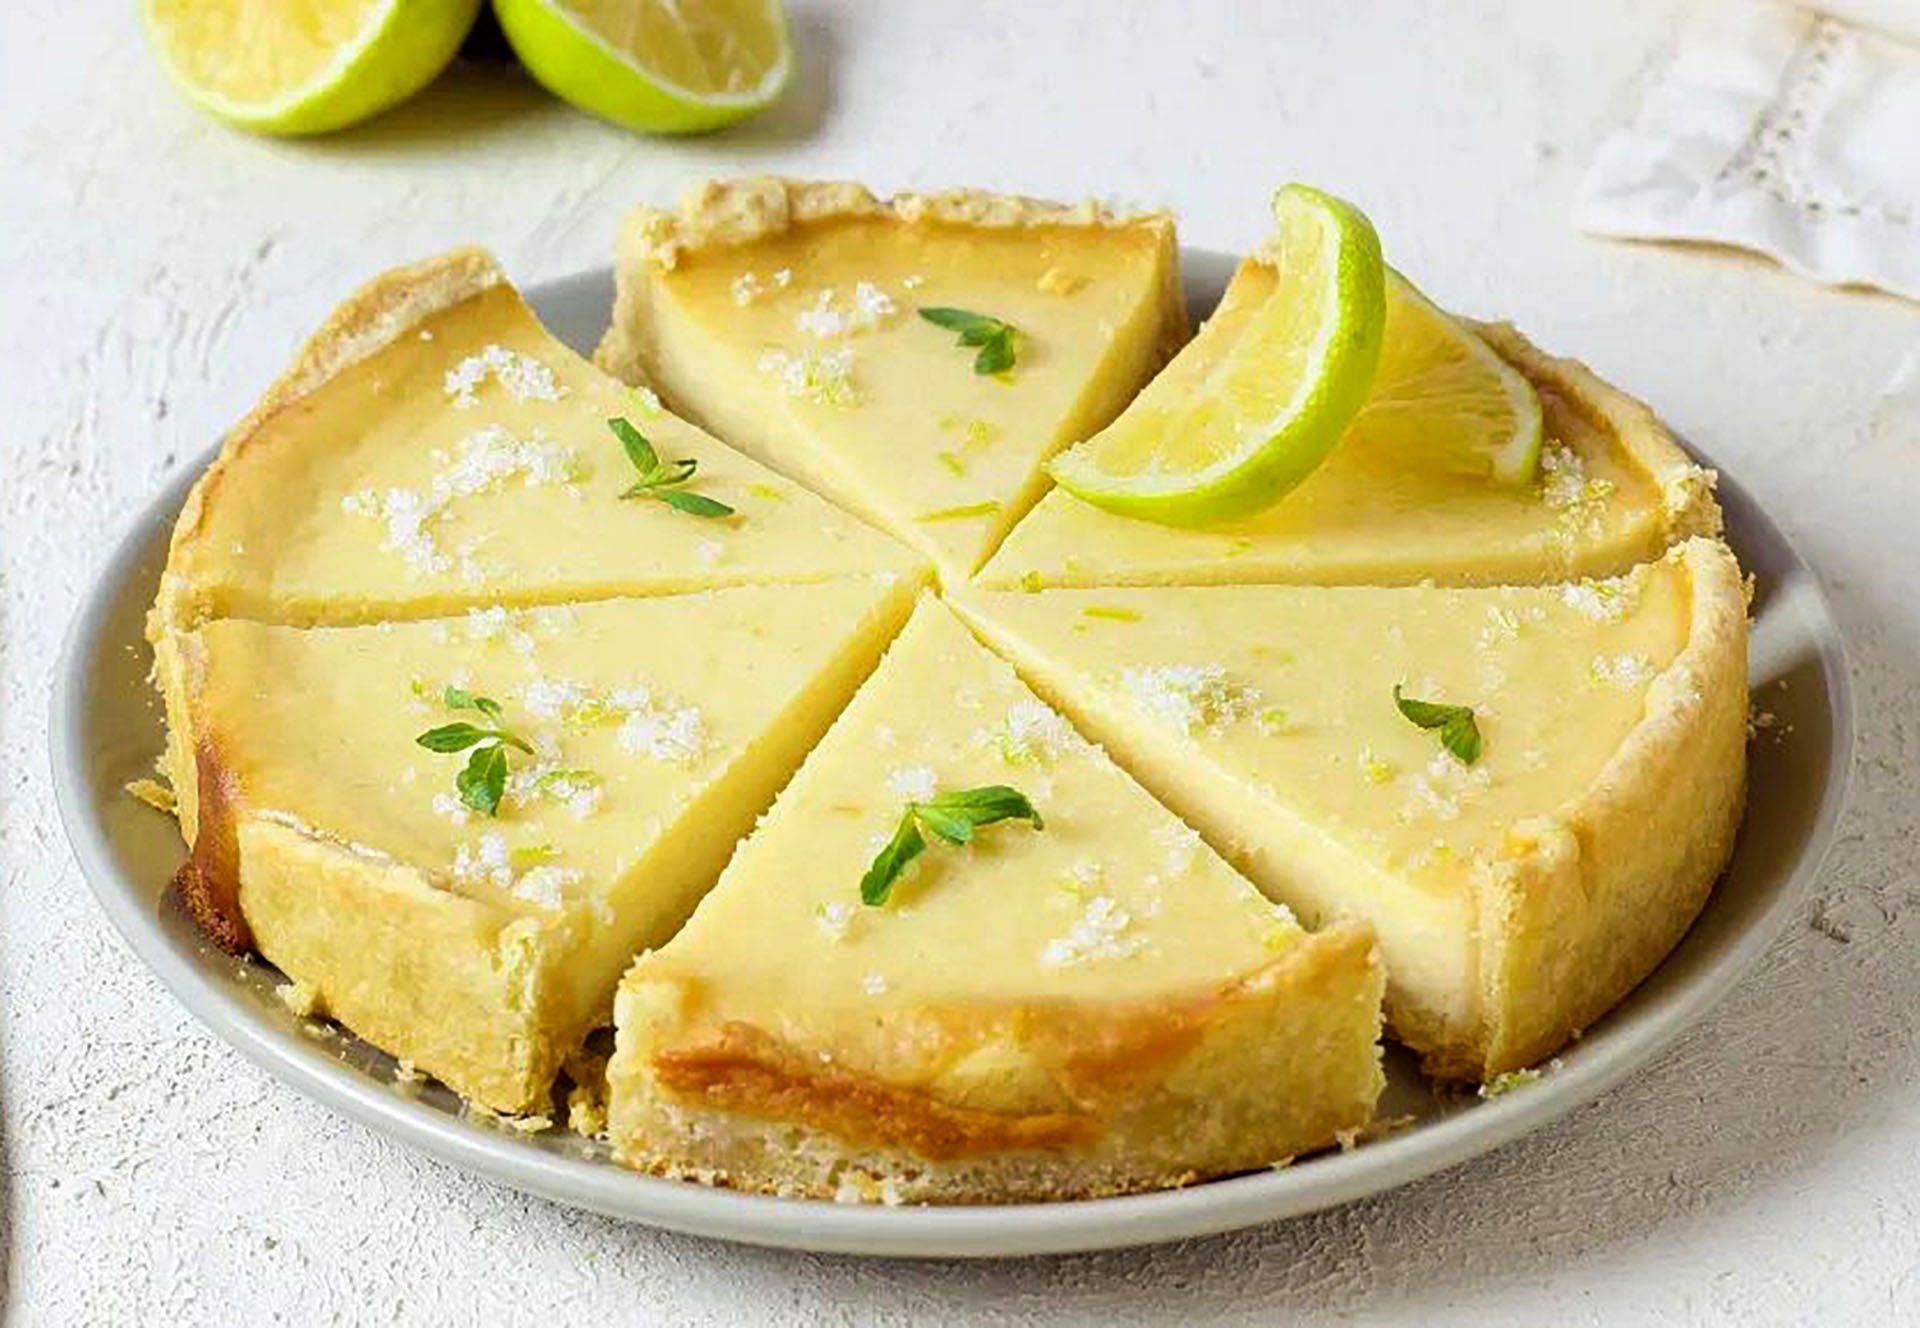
1613 489
337 826
916 359
1527 791
1087 1002
433 449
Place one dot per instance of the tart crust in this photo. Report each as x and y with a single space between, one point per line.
1586 904
1593 898
1118 1099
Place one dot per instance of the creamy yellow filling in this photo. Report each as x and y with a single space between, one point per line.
659 729
469 462
1266 717
1113 901
806 347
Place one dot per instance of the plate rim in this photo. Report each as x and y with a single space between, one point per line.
995 1230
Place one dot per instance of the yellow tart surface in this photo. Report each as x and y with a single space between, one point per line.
483 948
434 448
1516 898
784 317
1614 489
1099 1005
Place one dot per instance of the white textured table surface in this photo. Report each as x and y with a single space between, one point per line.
155 271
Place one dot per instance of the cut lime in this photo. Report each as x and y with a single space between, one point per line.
304 66
659 66
1241 417
1443 395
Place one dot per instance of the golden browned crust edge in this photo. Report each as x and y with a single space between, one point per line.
374 316
993 1162
209 880
719 213
741 1068
1569 932
206 801
1686 490
722 213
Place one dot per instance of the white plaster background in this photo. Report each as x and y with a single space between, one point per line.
155 270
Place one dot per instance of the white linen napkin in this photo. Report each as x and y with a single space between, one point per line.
1782 130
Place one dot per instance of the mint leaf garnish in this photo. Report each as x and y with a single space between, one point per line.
694 504
457 698
452 737
906 845
662 479
1459 734
952 817
994 338
483 781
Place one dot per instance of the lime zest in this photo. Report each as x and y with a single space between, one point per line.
964 512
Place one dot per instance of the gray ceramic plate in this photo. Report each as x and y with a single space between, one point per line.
106 730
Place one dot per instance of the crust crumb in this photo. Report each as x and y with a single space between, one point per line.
155 794
303 1000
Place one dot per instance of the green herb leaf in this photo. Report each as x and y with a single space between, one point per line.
639 450
990 803
962 321
994 338
954 827
661 480
951 817
889 862
694 504
1459 734
453 737
484 780
1462 738
996 356
458 698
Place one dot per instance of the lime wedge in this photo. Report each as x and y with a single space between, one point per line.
304 66
1443 395
658 66
1226 429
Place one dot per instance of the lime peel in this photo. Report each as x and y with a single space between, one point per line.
1263 415
576 61
396 47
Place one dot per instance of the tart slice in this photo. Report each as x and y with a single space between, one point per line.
340 823
1527 791
434 449
1613 489
916 359
1081 1001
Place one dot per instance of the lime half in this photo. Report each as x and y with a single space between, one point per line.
659 66
304 66
1240 418
1442 395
